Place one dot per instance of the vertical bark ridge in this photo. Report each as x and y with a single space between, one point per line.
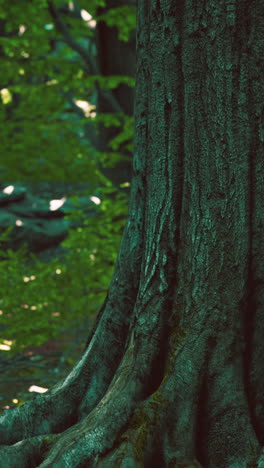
162 192
255 90
215 219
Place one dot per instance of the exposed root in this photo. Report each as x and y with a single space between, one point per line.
55 410
43 415
136 442
58 409
29 452
200 400
97 432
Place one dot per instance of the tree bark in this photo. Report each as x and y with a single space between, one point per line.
173 373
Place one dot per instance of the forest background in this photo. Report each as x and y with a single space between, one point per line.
66 113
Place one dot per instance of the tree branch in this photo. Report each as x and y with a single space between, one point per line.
69 39
93 69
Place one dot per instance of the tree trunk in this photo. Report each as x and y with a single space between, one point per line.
115 57
173 373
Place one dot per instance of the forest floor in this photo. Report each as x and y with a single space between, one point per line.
40 367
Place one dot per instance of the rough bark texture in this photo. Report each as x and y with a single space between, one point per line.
173 373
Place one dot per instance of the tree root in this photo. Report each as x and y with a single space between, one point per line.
57 409
196 412
29 452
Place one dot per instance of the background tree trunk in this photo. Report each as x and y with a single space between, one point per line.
173 372
115 57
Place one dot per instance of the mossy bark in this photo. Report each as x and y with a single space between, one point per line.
173 372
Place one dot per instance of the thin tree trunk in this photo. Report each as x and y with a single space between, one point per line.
115 57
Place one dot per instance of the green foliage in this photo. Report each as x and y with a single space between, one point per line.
124 138
43 137
110 82
124 18
39 126
38 298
